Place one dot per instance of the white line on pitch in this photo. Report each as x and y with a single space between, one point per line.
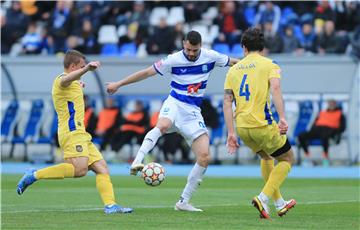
162 206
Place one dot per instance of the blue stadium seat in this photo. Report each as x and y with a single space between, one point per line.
32 127
128 50
49 139
222 48
109 50
250 13
9 120
305 114
237 51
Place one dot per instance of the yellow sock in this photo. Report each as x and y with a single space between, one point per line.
276 178
266 167
105 188
59 171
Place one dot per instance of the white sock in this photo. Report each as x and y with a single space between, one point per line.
279 203
264 197
148 144
193 182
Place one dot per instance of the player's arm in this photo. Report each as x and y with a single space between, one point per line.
233 61
76 75
279 103
112 87
231 143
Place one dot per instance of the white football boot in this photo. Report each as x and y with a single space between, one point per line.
183 206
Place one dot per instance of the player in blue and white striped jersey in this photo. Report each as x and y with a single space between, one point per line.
190 69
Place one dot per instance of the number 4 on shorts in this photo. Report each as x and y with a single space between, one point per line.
245 93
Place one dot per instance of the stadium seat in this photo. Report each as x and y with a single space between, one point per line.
109 50
32 127
122 30
250 13
128 50
222 48
157 13
176 15
107 34
237 51
204 32
9 120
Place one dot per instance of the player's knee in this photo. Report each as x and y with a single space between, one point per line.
203 159
81 171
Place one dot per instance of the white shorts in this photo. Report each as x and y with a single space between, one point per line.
187 119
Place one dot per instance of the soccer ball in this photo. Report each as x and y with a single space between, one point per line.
153 174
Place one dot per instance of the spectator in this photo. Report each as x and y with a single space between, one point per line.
178 36
330 123
193 11
140 15
328 42
87 39
134 126
347 15
6 41
291 43
231 23
355 42
273 41
307 38
15 24
32 42
162 40
268 13
110 119
324 12
130 35
60 24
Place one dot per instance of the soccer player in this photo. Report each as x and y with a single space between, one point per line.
80 154
249 83
190 69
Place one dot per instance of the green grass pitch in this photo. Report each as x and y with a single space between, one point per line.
75 204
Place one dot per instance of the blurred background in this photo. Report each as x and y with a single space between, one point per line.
316 43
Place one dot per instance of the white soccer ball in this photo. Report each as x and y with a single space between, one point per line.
153 174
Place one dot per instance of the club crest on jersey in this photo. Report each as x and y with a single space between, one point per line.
79 148
204 68
166 110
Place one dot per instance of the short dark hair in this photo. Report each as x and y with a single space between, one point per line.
72 57
193 37
253 39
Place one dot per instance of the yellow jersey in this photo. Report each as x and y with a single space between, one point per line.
69 106
249 80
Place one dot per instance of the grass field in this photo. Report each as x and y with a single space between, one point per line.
75 204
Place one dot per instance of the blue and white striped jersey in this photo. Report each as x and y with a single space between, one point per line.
189 78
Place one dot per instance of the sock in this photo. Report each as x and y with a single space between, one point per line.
325 155
59 171
148 144
279 203
105 188
264 197
266 167
276 178
193 182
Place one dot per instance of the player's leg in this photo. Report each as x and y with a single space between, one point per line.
167 115
278 175
267 165
73 167
200 147
105 188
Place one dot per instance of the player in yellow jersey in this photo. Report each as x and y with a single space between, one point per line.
80 154
249 83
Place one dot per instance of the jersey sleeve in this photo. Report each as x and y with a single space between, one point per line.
275 71
221 60
163 66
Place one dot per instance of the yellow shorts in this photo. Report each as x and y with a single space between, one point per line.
79 145
266 138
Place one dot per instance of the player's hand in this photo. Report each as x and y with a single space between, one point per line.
232 143
283 126
111 87
93 65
